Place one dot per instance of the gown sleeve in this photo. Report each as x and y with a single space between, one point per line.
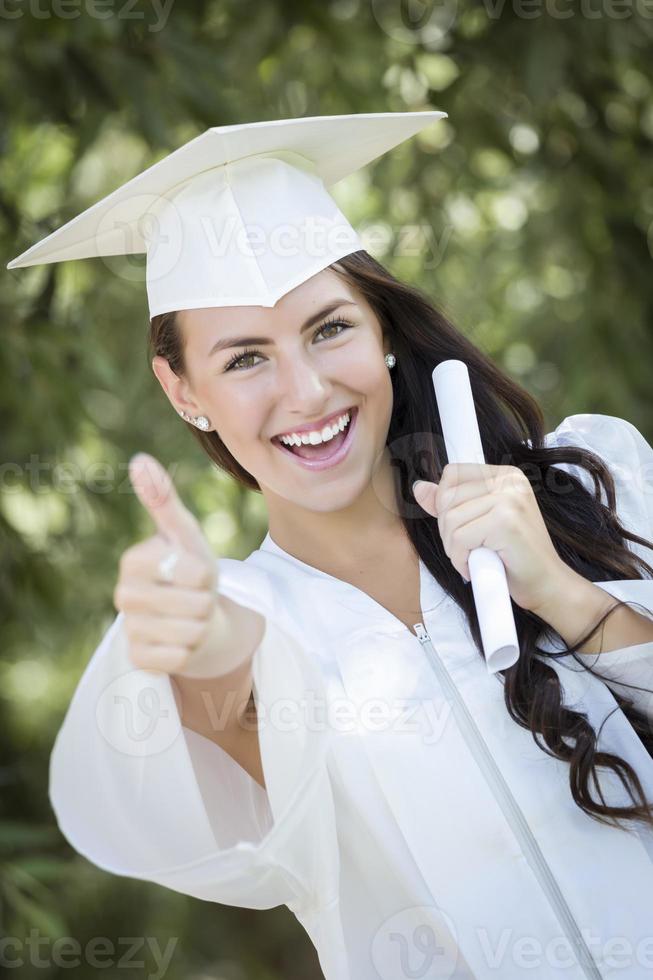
139 795
629 458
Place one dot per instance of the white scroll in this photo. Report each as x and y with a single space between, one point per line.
487 573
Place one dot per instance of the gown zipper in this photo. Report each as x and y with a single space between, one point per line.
510 807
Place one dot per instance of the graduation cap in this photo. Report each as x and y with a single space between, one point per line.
239 215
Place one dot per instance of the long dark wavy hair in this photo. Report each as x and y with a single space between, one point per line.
586 534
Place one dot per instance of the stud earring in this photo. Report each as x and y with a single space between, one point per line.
390 360
200 421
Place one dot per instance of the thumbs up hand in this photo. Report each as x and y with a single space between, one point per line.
173 624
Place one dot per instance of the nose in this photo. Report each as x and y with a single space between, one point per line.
303 385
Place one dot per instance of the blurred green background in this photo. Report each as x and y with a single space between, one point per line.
528 216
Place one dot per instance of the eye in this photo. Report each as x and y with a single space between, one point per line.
233 361
335 322
237 359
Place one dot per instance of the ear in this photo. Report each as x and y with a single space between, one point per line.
177 389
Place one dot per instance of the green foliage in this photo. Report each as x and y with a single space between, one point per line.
528 216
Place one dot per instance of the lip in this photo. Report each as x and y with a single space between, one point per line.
334 458
317 426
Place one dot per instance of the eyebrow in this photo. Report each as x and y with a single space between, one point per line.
227 342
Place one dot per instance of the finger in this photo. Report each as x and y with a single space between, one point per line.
452 522
453 496
172 630
461 472
473 534
157 493
168 658
166 600
457 473
424 493
141 562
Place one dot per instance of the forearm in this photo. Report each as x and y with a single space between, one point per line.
575 605
218 707
233 635
213 699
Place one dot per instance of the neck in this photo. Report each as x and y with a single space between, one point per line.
357 536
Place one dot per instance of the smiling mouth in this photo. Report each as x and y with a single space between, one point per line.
323 450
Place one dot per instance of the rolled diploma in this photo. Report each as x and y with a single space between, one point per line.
487 573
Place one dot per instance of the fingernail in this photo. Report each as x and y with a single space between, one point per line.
417 483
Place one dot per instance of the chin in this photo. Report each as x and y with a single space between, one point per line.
338 496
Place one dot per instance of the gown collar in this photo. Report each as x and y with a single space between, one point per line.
432 595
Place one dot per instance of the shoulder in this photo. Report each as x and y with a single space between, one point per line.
299 599
628 456
613 438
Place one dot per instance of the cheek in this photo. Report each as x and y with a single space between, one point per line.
239 420
361 371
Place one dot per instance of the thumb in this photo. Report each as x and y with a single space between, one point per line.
424 493
156 491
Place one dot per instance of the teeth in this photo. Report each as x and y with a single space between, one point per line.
316 436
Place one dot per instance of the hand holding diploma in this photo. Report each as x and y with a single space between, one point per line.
174 618
489 521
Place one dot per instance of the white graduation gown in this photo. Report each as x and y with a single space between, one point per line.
410 825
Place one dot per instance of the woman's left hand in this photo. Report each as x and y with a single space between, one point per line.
477 504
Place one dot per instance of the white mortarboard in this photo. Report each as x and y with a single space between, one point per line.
238 216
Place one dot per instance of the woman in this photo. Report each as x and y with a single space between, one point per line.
453 823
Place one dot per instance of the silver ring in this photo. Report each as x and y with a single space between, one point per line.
166 566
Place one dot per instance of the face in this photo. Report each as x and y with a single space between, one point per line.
319 351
